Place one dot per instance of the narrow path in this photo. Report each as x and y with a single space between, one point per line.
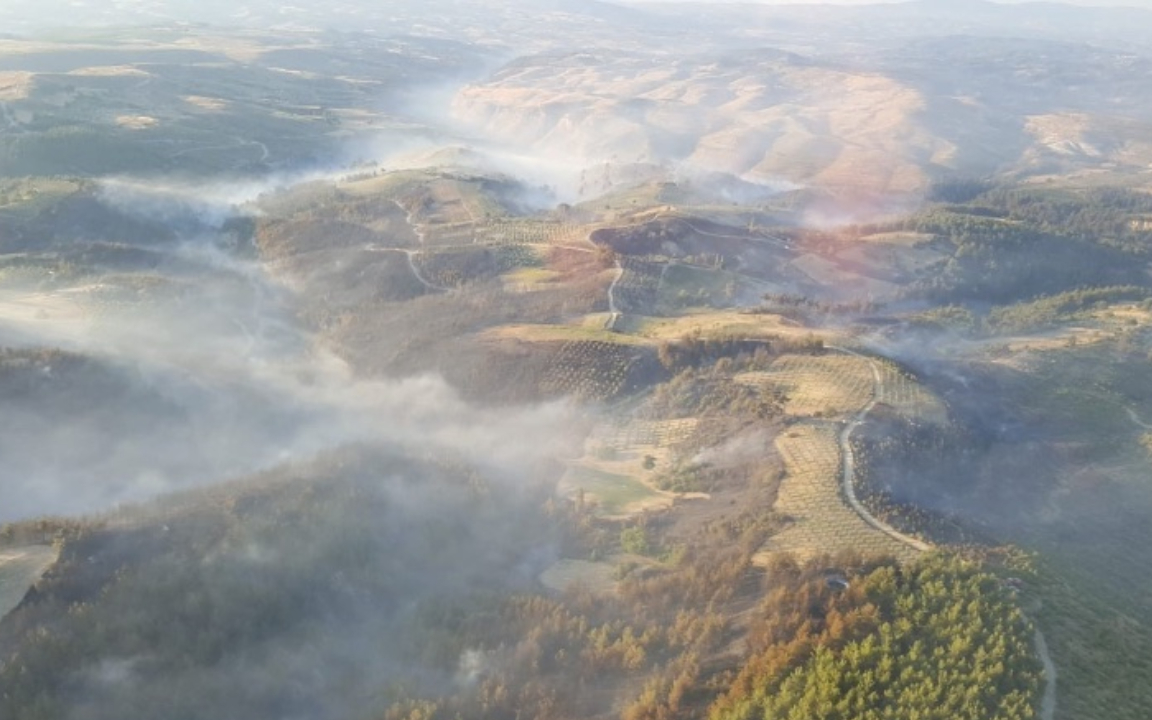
663 273
408 219
416 271
848 481
613 310
1136 418
409 254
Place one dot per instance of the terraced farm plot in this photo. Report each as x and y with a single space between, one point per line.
820 385
636 290
834 385
615 494
589 369
20 568
456 266
629 433
439 235
532 232
820 520
906 396
684 286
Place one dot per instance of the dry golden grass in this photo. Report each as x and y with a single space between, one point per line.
529 279
612 472
719 323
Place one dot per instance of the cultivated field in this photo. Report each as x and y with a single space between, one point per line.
653 433
532 232
589 369
818 386
900 391
835 385
819 519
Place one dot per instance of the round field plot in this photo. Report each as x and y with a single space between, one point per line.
635 291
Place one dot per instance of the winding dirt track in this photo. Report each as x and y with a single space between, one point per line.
848 461
848 481
416 271
1136 418
613 309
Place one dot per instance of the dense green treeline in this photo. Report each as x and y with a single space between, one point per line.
936 640
1108 215
1045 312
1010 244
1001 261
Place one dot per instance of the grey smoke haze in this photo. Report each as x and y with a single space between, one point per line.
203 376
740 449
347 633
223 381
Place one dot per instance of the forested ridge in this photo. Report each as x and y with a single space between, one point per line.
937 640
1008 244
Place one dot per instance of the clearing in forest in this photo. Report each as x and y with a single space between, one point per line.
614 494
563 575
619 466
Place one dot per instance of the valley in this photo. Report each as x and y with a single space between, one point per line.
459 371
